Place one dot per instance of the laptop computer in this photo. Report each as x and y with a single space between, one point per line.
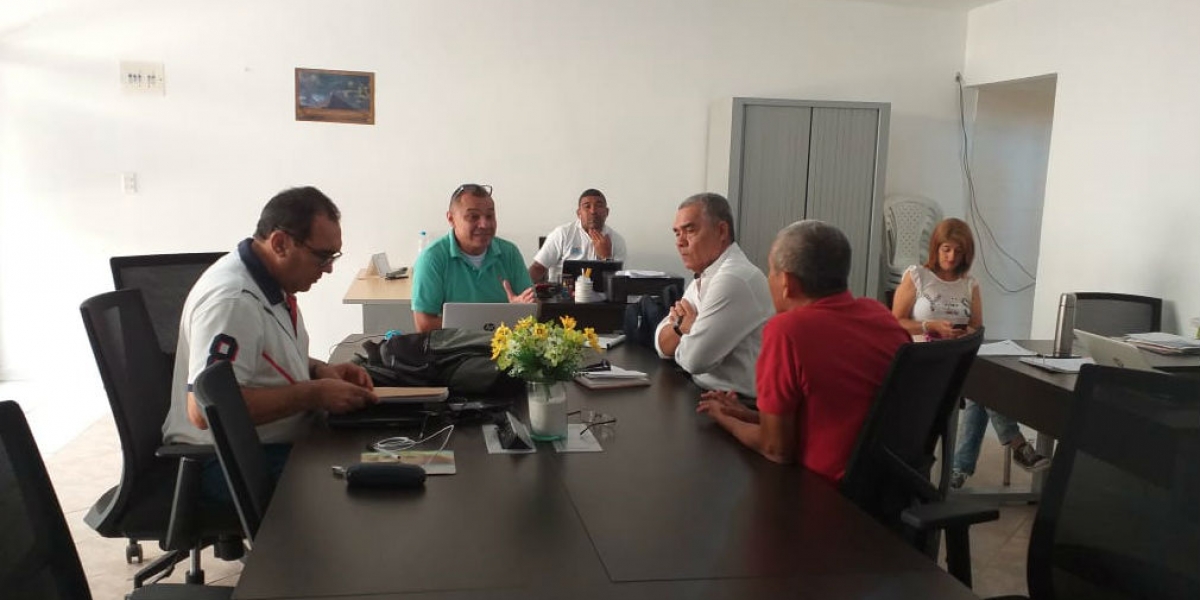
1113 353
484 315
380 261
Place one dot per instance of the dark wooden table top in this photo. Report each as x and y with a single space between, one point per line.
673 508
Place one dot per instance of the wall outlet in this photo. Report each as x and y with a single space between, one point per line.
143 78
129 183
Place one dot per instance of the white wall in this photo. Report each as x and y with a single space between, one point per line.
1123 183
1009 152
539 98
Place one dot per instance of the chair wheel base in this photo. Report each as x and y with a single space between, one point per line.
133 553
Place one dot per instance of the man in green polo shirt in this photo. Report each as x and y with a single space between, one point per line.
469 264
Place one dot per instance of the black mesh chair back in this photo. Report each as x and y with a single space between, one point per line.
137 379
238 446
1120 513
165 280
38 559
1109 314
37 556
890 468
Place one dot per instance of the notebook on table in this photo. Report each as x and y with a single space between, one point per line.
412 395
484 315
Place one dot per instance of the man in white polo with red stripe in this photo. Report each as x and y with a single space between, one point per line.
243 309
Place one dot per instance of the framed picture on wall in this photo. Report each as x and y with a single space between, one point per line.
335 96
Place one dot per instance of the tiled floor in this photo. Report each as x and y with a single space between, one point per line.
87 465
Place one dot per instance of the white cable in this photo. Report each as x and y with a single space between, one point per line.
393 446
975 214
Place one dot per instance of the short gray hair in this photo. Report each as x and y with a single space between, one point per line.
817 253
715 207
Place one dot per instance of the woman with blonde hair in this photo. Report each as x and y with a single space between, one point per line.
940 299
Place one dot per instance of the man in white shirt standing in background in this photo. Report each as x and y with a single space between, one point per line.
586 238
715 331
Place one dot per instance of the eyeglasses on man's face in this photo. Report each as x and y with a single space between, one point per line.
324 257
474 189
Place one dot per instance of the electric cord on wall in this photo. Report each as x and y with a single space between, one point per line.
978 222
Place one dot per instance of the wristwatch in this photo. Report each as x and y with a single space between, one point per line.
675 326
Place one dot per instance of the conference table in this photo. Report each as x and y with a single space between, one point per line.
1035 397
673 507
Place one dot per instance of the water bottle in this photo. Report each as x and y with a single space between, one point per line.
421 240
1064 331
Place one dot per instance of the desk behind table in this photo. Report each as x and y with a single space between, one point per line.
673 507
1035 397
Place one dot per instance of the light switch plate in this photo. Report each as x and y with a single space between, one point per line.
143 78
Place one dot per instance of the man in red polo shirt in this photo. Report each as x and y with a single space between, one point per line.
824 355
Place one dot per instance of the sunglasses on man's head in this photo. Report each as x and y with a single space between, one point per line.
474 189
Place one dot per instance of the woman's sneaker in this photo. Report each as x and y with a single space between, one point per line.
957 479
1027 458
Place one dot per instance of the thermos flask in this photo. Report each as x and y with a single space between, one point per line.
1064 332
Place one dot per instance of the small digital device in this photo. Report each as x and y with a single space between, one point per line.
380 261
390 476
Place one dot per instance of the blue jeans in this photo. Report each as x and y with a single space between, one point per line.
214 488
972 420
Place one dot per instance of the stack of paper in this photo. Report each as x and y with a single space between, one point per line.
1058 365
1165 343
615 377
635 273
1005 348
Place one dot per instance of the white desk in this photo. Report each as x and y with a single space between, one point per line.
386 303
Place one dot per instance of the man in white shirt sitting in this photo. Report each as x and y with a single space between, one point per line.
586 238
715 331
243 310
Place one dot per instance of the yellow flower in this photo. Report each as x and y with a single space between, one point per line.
541 331
592 338
568 322
525 323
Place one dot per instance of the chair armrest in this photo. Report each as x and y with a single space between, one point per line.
192 451
945 515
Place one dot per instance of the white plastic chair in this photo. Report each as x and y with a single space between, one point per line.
908 222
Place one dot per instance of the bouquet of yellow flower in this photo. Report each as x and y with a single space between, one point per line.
541 351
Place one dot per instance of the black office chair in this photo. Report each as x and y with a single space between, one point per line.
165 281
156 496
888 475
38 560
1120 513
238 446
1110 314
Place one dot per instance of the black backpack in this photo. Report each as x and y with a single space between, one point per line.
459 359
642 317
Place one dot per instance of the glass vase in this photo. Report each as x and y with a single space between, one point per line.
547 410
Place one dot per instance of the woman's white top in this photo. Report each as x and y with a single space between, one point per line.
938 299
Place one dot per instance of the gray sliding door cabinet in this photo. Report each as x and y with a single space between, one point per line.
784 160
